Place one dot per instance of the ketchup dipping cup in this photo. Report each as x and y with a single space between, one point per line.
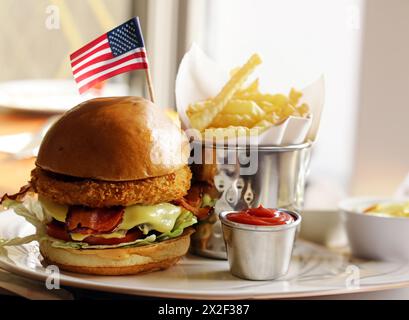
259 248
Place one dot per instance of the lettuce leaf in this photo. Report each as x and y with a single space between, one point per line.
83 245
18 240
185 219
207 201
32 211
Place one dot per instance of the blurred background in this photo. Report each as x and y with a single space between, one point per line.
359 46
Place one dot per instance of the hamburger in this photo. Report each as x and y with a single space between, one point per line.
106 195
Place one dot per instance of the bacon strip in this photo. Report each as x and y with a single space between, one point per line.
93 220
19 195
193 200
200 213
57 230
195 195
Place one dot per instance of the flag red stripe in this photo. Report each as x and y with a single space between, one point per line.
101 47
87 46
135 66
104 57
105 67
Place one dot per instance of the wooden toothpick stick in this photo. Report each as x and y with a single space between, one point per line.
150 87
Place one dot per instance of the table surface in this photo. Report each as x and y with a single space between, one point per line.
16 173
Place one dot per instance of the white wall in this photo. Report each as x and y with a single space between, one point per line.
382 149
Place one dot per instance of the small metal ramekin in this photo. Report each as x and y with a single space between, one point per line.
259 252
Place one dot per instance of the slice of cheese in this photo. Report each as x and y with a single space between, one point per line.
52 209
160 217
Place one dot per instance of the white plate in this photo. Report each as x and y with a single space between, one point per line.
49 96
314 271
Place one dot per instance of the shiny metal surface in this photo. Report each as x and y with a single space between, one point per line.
259 252
244 177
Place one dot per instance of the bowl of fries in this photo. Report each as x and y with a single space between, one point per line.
248 147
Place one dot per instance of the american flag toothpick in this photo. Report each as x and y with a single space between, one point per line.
120 50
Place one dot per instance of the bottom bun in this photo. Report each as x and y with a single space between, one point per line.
118 261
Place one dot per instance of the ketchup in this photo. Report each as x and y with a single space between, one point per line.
261 217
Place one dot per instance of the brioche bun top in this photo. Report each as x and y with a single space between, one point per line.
114 139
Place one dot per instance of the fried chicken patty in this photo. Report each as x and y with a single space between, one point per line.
97 194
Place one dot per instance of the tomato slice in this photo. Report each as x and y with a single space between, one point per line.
57 230
130 236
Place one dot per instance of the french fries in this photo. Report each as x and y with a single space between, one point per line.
237 109
238 113
294 96
251 89
236 106
202 119
198 106
227 120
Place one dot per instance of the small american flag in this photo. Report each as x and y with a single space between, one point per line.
120 50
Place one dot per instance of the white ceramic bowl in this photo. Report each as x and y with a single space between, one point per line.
375 237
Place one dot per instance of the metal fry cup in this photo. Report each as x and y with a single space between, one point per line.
244 177
259 252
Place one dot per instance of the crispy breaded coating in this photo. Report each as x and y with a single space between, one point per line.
98 194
